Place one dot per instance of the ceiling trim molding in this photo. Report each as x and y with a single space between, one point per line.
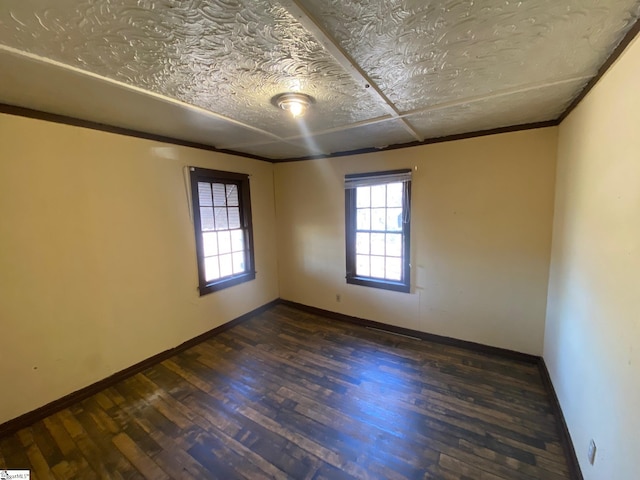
126 86
429 141
633 32
432 108
493 95
624 43
299 11
77 122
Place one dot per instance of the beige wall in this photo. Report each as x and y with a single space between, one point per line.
97 256
592 340
481 234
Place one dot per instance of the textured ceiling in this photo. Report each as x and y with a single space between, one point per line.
381 72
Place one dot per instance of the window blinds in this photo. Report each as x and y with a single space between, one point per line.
377 178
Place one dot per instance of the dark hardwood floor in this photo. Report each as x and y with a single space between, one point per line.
288 394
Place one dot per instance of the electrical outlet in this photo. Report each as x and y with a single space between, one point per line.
592 452
338 297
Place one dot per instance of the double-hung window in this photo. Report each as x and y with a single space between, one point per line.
377 212
222 222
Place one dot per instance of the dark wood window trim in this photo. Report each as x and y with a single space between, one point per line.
404 285
241 181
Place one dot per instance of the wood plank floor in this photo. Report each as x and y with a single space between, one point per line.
288 394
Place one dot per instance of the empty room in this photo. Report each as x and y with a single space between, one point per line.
320 239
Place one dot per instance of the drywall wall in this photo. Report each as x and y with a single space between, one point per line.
592 338
97 256
481 216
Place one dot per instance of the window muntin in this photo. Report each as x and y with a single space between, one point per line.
222 223
377 224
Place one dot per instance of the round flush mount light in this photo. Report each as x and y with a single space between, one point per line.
294 103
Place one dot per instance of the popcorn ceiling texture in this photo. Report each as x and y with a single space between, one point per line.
228 57
473 47
454 66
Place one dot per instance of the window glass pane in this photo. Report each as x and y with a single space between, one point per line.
221 218
394 219
377 267
377 243
362 243
378 195
226 265
362 266
378 218
219 195
211 269
222 228
206 218
394 268
234 217
364 219
232 195
237 240
238 262
363 197
204 194
394 244
210 243
394 194
224 242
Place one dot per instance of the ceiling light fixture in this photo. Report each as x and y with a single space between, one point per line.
294 103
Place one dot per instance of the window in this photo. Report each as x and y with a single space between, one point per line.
377 212
222 223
